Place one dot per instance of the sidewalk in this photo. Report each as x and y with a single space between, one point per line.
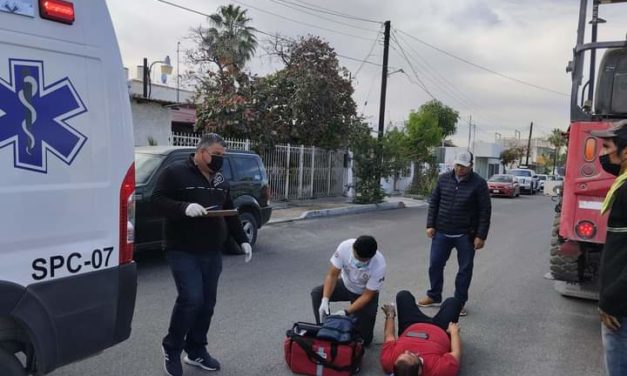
332 206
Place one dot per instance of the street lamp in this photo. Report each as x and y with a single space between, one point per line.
166 68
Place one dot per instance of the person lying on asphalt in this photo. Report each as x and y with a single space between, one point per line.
423 346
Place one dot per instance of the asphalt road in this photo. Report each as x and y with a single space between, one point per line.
517 323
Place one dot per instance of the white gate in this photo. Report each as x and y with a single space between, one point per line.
294 172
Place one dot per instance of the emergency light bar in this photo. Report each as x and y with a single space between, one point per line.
57 10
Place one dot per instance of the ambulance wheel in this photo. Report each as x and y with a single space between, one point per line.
10 365
563 268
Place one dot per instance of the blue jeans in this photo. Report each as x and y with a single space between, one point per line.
196 277
615 346
441 248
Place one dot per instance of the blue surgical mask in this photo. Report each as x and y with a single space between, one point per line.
359 264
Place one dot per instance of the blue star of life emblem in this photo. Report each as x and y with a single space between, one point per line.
33 116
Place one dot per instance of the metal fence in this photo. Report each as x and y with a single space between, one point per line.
294 172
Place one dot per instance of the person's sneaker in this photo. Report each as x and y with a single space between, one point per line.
172 363
203 360
463 312
428 302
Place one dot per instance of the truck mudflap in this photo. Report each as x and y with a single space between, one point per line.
76 317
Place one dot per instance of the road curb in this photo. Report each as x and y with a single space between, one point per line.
333 212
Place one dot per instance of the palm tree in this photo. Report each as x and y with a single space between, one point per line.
558 140
231 42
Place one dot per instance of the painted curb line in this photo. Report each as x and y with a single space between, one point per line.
311 214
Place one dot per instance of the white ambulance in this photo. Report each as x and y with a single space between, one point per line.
67 180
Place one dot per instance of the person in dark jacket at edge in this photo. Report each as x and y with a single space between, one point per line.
459 217
613 272
184 194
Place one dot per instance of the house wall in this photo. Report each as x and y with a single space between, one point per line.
151 120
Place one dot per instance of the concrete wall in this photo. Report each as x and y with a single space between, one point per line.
482 166
485 154
401 185
151 120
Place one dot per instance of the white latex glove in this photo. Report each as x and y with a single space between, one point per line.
341 312
324 309
195 210
248 251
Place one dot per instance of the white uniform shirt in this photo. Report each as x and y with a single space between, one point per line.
357 280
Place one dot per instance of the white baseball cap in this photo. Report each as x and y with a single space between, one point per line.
463 158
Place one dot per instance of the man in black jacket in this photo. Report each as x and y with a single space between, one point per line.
459 217
613 294
186 191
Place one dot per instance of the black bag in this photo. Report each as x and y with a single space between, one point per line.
338 328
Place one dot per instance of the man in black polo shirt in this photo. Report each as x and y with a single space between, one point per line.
459 217
185 192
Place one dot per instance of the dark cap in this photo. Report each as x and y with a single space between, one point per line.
617 130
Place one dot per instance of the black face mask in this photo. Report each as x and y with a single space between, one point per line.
216 163
608 166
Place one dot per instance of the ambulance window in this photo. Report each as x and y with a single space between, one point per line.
145 165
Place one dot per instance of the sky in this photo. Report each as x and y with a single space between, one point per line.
527 40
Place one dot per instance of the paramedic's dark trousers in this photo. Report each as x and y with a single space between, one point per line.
196 277
409 313
366 317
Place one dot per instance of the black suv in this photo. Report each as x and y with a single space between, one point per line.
249 190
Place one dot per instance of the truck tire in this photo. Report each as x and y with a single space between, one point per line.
563 268
249 223
10 365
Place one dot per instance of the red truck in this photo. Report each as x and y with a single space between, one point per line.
579 228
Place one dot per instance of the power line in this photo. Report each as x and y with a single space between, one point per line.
522 82
297 8
374 43
184 8
300 22
317 8
267 33
440 80
411 66
444 84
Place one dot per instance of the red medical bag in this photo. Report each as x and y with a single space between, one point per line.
307 355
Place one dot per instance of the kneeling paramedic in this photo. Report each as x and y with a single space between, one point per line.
356 275
423 346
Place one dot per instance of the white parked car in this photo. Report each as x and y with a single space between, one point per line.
527 178
541 179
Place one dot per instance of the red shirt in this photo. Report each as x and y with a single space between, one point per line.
435 351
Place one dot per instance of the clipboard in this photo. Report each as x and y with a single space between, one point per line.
222 213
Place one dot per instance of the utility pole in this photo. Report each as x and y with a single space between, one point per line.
178 76
146 78
384 77
474 137
384 84
529 144
469 131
